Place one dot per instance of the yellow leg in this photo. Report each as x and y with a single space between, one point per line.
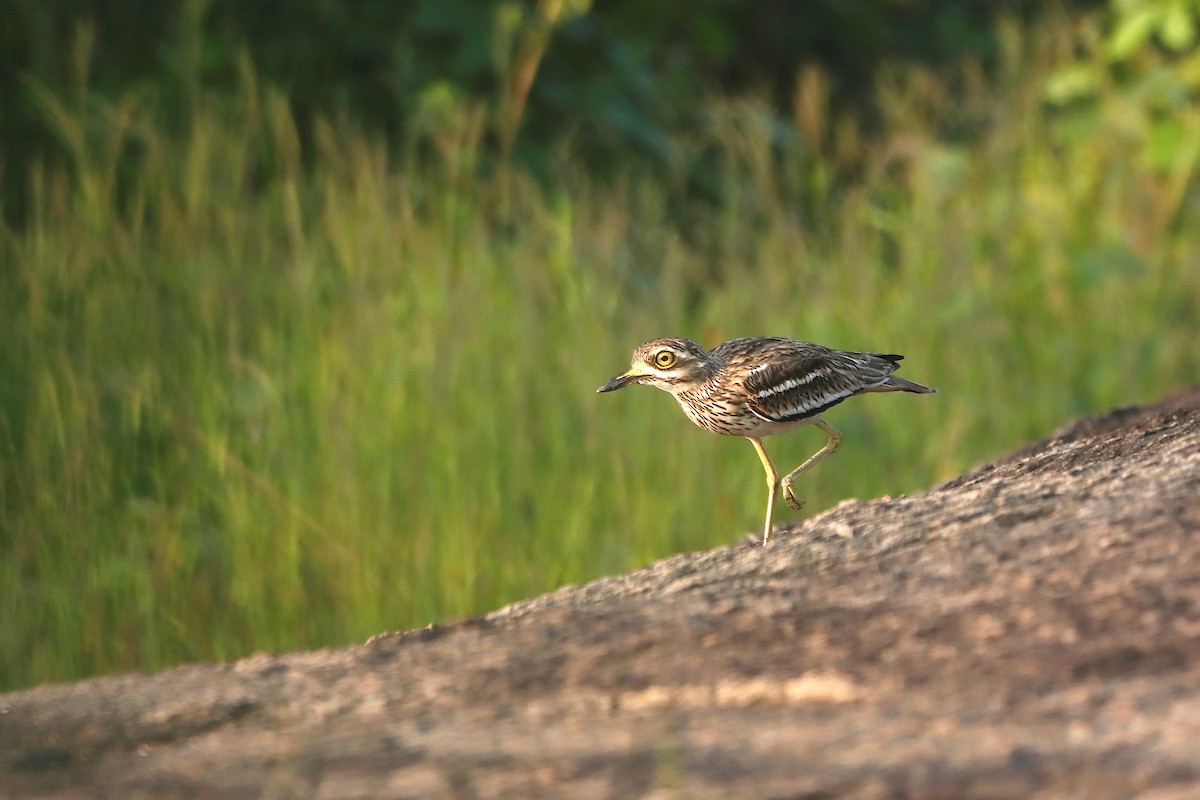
835 441
772 482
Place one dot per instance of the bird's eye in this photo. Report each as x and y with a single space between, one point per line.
664 359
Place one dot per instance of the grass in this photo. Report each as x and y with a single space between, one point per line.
256 395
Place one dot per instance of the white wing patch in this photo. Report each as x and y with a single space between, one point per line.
811 403
791 383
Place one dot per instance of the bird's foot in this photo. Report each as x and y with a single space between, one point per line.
790 498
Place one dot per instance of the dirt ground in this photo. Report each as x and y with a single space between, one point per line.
1028 630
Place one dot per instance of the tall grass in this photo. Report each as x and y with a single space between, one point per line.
258 395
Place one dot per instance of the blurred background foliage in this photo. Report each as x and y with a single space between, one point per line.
303 307
616 79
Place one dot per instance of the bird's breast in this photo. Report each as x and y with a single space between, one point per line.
719 409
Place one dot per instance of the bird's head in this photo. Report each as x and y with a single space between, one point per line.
670 364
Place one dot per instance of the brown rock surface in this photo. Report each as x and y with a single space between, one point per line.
1029 629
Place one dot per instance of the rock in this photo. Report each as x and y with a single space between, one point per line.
1032 627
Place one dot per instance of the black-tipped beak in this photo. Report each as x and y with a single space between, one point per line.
622 380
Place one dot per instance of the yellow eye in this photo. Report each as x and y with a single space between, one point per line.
664 359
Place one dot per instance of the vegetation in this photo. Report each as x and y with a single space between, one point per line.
271 383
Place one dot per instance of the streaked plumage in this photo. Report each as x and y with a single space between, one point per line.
760 387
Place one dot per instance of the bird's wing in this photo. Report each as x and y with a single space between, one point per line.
810 381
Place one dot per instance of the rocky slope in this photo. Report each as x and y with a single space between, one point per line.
1031 628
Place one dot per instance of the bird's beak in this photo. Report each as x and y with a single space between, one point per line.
622 380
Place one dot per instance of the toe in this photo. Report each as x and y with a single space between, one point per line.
790 497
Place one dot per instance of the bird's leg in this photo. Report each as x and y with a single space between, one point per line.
835 441
772 482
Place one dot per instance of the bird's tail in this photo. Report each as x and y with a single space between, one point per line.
895 384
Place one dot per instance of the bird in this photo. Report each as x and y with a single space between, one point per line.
762 386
